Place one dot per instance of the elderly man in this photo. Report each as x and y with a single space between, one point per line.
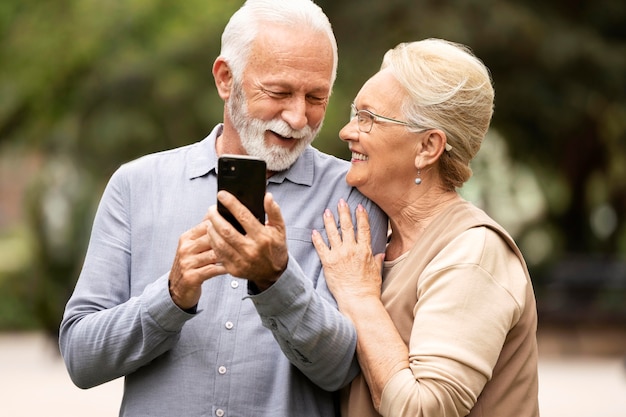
200 319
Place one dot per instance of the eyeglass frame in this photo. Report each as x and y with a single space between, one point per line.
354 112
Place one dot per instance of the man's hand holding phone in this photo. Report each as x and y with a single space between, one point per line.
261 254
234 236
244 177
195 262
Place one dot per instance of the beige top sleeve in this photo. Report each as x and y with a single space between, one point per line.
469 297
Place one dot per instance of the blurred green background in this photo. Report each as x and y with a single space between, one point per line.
87 85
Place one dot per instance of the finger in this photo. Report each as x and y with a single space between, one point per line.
362 225
243 215
204 259
274 215
219 232
334 238
212 270
345 221
195 232
189 261
319 244
189 247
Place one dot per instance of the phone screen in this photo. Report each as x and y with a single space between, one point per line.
244 177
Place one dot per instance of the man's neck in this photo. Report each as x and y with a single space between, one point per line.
232 147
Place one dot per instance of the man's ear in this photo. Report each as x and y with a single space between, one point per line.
223 78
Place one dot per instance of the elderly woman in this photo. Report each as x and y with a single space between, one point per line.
446 317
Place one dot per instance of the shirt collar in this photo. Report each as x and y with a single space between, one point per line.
301 172
203 160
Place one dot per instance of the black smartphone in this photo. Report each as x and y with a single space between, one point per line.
244 177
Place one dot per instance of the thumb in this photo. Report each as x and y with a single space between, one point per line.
272 209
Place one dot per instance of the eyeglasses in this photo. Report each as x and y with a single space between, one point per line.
365 120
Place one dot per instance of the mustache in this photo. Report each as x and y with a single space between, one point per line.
282 128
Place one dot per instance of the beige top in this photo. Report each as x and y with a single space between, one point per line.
463 302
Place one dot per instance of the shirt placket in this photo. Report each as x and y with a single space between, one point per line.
233 294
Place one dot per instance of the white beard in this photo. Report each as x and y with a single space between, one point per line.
252 134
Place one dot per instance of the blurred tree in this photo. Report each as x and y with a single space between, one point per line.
560 75
559 70
61 204
92 85
108 81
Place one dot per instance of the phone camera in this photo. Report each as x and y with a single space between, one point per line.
230 169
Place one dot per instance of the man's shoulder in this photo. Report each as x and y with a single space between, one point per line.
327 165
326 158
165 167
191 160
159 157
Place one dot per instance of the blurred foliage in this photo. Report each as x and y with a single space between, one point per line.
104 82
559 70
93 84
17 310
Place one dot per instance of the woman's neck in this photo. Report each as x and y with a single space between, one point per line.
409 220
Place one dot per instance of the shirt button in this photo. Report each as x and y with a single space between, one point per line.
229 325
219 412
234 284
221 370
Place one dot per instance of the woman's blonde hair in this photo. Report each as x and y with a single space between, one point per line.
450 89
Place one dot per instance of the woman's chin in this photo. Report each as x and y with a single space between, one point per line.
354 180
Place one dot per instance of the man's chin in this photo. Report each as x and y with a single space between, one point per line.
275 164
280 158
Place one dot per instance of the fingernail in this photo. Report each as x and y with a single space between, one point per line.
327 213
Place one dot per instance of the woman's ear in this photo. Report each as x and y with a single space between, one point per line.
432 146
223 78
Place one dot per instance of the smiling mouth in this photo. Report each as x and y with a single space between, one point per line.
281 137
359 156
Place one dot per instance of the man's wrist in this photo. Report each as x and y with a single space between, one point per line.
254 288
192 310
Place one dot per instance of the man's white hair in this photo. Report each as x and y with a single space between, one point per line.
244 26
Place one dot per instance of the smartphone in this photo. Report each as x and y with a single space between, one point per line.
244 177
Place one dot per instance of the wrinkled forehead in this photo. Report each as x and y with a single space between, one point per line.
304 57
382 89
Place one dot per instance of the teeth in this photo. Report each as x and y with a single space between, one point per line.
359 156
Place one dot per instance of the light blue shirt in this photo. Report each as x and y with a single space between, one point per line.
277 353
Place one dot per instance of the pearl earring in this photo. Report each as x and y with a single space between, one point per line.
418 180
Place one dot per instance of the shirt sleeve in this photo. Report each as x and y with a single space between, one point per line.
306 322
105 333
468 299
311 332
